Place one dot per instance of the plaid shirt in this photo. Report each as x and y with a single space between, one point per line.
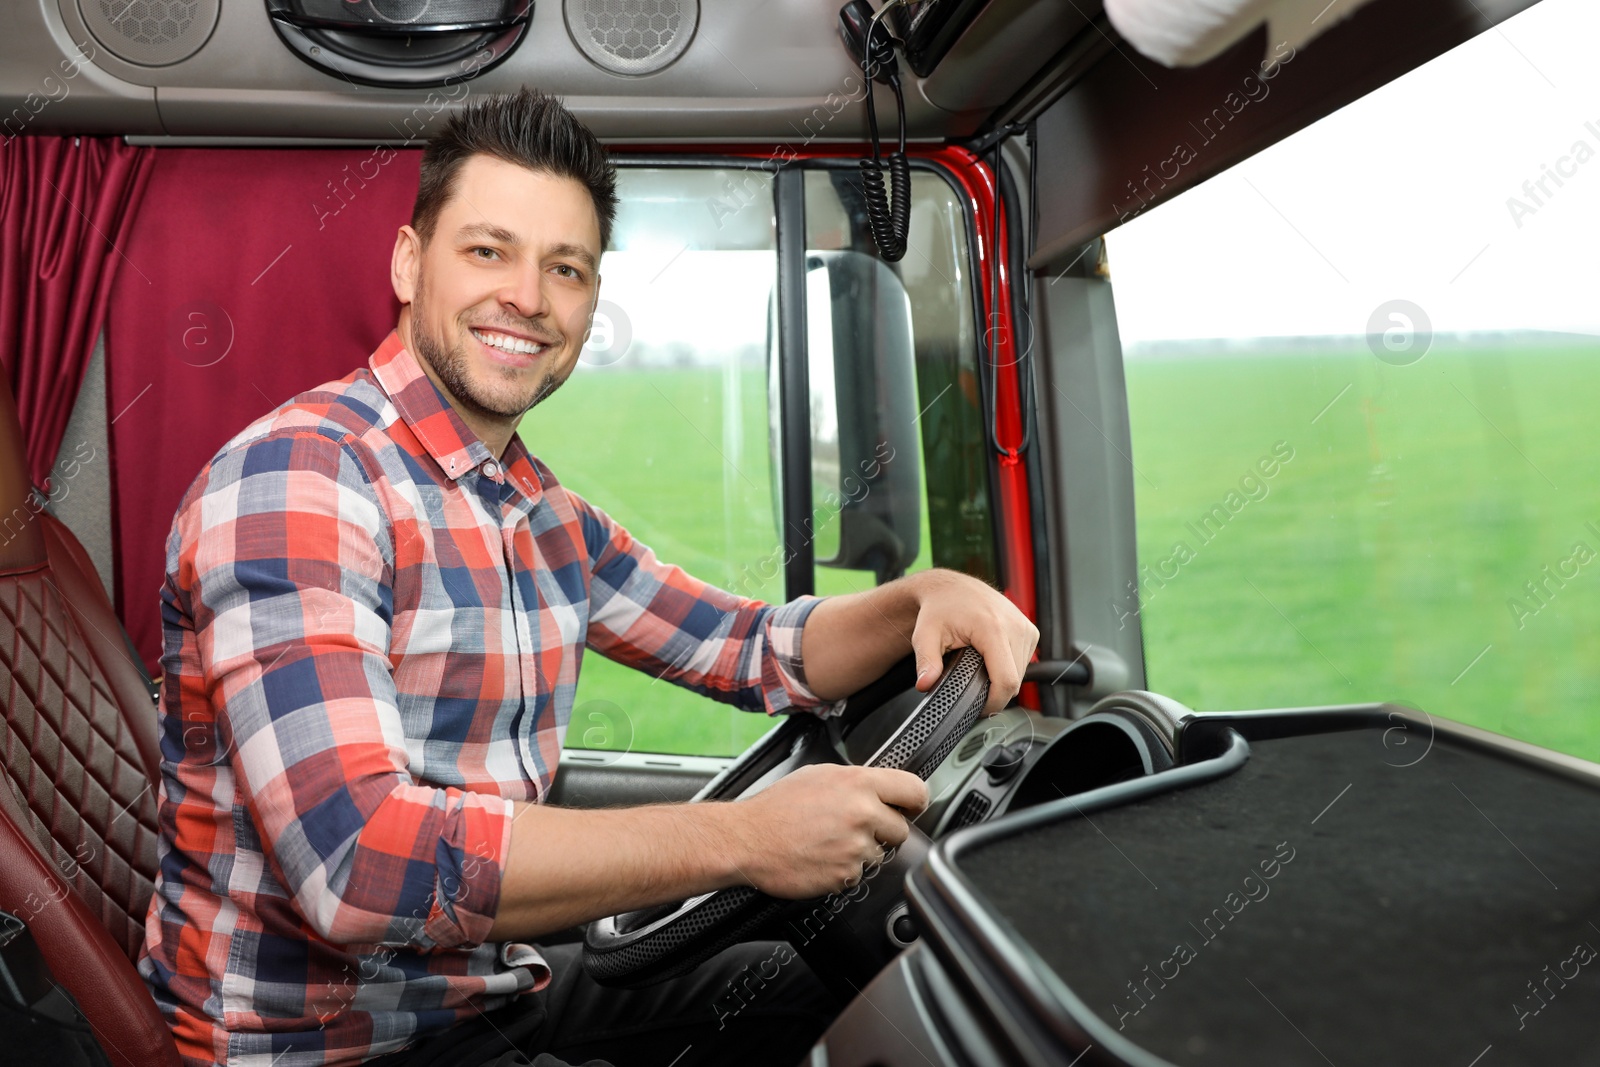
373 630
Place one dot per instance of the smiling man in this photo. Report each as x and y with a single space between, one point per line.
376 606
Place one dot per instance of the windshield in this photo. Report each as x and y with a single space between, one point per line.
1362 368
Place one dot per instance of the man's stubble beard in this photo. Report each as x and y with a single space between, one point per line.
451 367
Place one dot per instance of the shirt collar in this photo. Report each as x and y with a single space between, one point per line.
428 413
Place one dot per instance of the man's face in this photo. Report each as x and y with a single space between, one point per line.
501 298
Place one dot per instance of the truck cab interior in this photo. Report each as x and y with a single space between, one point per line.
1248 347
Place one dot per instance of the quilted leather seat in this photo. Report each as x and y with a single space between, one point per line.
80 763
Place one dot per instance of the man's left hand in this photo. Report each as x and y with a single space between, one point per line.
955 610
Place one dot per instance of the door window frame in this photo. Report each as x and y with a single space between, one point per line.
972 181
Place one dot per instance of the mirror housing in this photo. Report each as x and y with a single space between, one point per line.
866 461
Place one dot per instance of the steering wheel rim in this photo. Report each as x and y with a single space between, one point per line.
655 944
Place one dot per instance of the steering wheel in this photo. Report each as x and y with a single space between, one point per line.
654 944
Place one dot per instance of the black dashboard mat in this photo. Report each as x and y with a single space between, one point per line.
1442 910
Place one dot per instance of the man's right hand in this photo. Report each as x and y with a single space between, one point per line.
806 835
812 831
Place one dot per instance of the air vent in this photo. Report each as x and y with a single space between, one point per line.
632 37
970 748
150 33
974 806
401 44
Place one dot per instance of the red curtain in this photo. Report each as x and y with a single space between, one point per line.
268 275
65 207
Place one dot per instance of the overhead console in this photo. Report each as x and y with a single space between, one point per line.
398 44
636 70
383 70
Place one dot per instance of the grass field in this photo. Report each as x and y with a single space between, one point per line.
1386 559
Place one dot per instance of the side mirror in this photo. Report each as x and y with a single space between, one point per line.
866 464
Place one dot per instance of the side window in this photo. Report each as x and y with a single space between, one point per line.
1360 410
666 423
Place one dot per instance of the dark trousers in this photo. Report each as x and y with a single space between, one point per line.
754 1004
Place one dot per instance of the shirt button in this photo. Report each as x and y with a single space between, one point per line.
491 468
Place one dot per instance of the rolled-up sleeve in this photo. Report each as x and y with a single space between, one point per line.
660 619
288 561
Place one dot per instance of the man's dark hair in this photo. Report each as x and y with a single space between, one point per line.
526 128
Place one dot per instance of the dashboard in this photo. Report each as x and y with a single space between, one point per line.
1018 759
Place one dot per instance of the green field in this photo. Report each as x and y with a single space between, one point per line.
1384 561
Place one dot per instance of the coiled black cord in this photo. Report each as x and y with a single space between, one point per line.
888 211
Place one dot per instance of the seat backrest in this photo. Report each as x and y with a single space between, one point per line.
79 761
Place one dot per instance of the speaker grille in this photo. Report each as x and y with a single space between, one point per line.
150 33
632 37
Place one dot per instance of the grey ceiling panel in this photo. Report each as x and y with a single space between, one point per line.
754 70
47 86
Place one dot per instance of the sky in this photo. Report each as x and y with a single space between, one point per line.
1402 195
661 293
